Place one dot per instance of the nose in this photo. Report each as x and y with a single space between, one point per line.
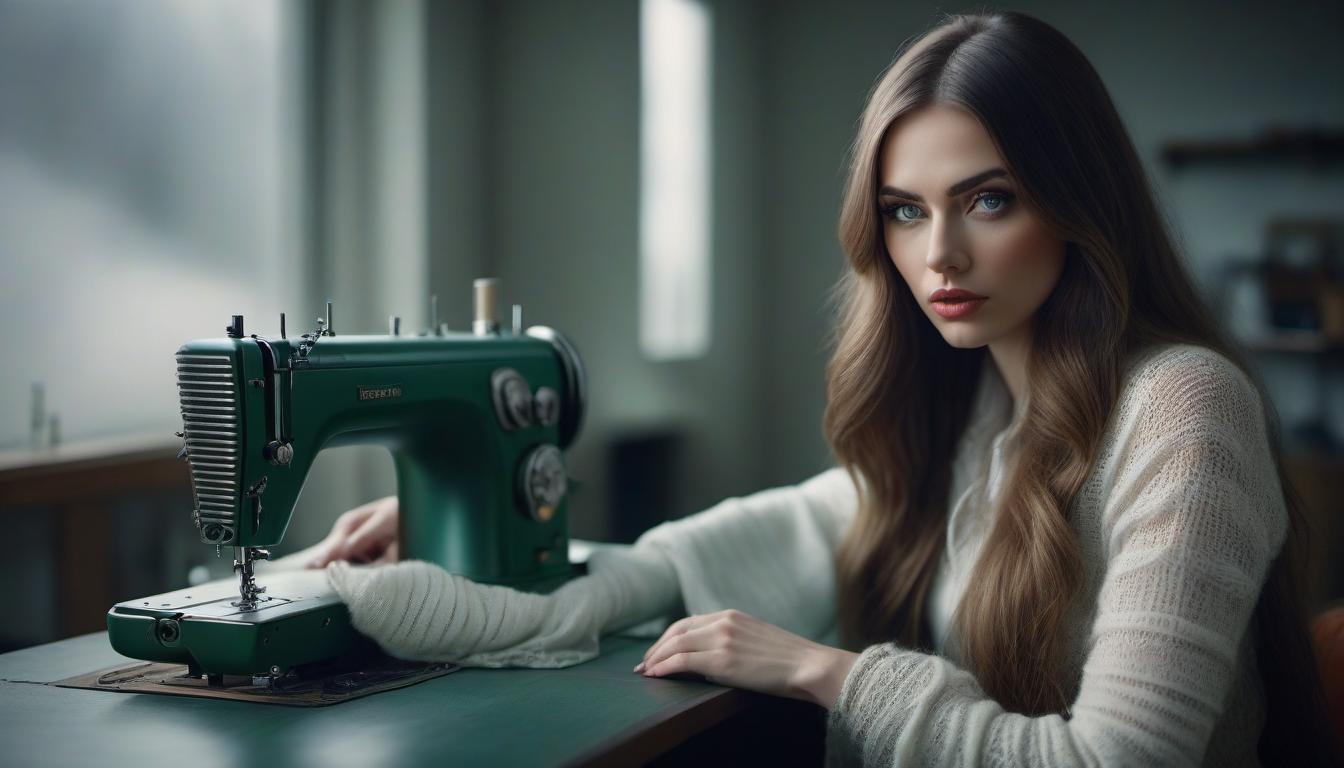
947 246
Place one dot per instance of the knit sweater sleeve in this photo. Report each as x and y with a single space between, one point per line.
1192 518
769 553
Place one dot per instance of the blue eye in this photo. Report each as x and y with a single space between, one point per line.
1002 200
896 209
892 212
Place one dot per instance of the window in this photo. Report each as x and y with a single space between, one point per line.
675 196
145 197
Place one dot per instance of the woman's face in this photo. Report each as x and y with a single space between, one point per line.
951 219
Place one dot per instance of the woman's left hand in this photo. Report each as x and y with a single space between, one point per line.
739 650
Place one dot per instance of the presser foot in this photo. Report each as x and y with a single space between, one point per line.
250 595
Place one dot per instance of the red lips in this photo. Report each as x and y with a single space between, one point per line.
953 294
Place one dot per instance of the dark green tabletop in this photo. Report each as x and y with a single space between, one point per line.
598 711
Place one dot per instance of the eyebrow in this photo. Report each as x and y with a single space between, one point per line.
952 191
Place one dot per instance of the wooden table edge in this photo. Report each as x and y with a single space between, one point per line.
660 732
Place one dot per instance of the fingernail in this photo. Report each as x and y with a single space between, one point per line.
639 666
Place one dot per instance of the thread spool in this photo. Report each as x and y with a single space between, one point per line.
485 297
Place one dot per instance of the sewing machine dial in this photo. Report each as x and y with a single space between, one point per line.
513 398
546 406
543 481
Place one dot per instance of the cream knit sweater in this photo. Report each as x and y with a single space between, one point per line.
1178 521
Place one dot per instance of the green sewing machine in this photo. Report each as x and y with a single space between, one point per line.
475 422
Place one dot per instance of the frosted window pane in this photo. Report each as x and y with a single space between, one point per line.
141 200
674 206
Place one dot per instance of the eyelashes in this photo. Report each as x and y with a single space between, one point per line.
1004 203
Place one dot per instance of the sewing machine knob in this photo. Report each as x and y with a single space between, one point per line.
279 453
546 406
543 481
513 398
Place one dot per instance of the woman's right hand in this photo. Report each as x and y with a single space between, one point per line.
365 534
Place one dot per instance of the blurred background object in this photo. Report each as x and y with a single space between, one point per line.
659 179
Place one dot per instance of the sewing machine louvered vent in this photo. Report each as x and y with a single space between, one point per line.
208 392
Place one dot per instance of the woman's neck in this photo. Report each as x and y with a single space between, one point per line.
1010 353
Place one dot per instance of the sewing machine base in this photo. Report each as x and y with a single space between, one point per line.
312 685
202 628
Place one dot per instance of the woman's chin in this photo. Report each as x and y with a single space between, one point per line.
963 337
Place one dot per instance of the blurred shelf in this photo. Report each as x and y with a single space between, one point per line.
1319 147
1294 341
89 468
76 485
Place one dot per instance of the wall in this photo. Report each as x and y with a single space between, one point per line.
563 138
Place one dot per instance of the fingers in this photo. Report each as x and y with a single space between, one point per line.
674 632
373 535
322 553
390 555
331 546
677 628
697 644
696 651
698 663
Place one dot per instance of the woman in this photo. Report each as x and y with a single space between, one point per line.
1060 532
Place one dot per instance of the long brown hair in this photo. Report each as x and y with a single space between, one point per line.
897 393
